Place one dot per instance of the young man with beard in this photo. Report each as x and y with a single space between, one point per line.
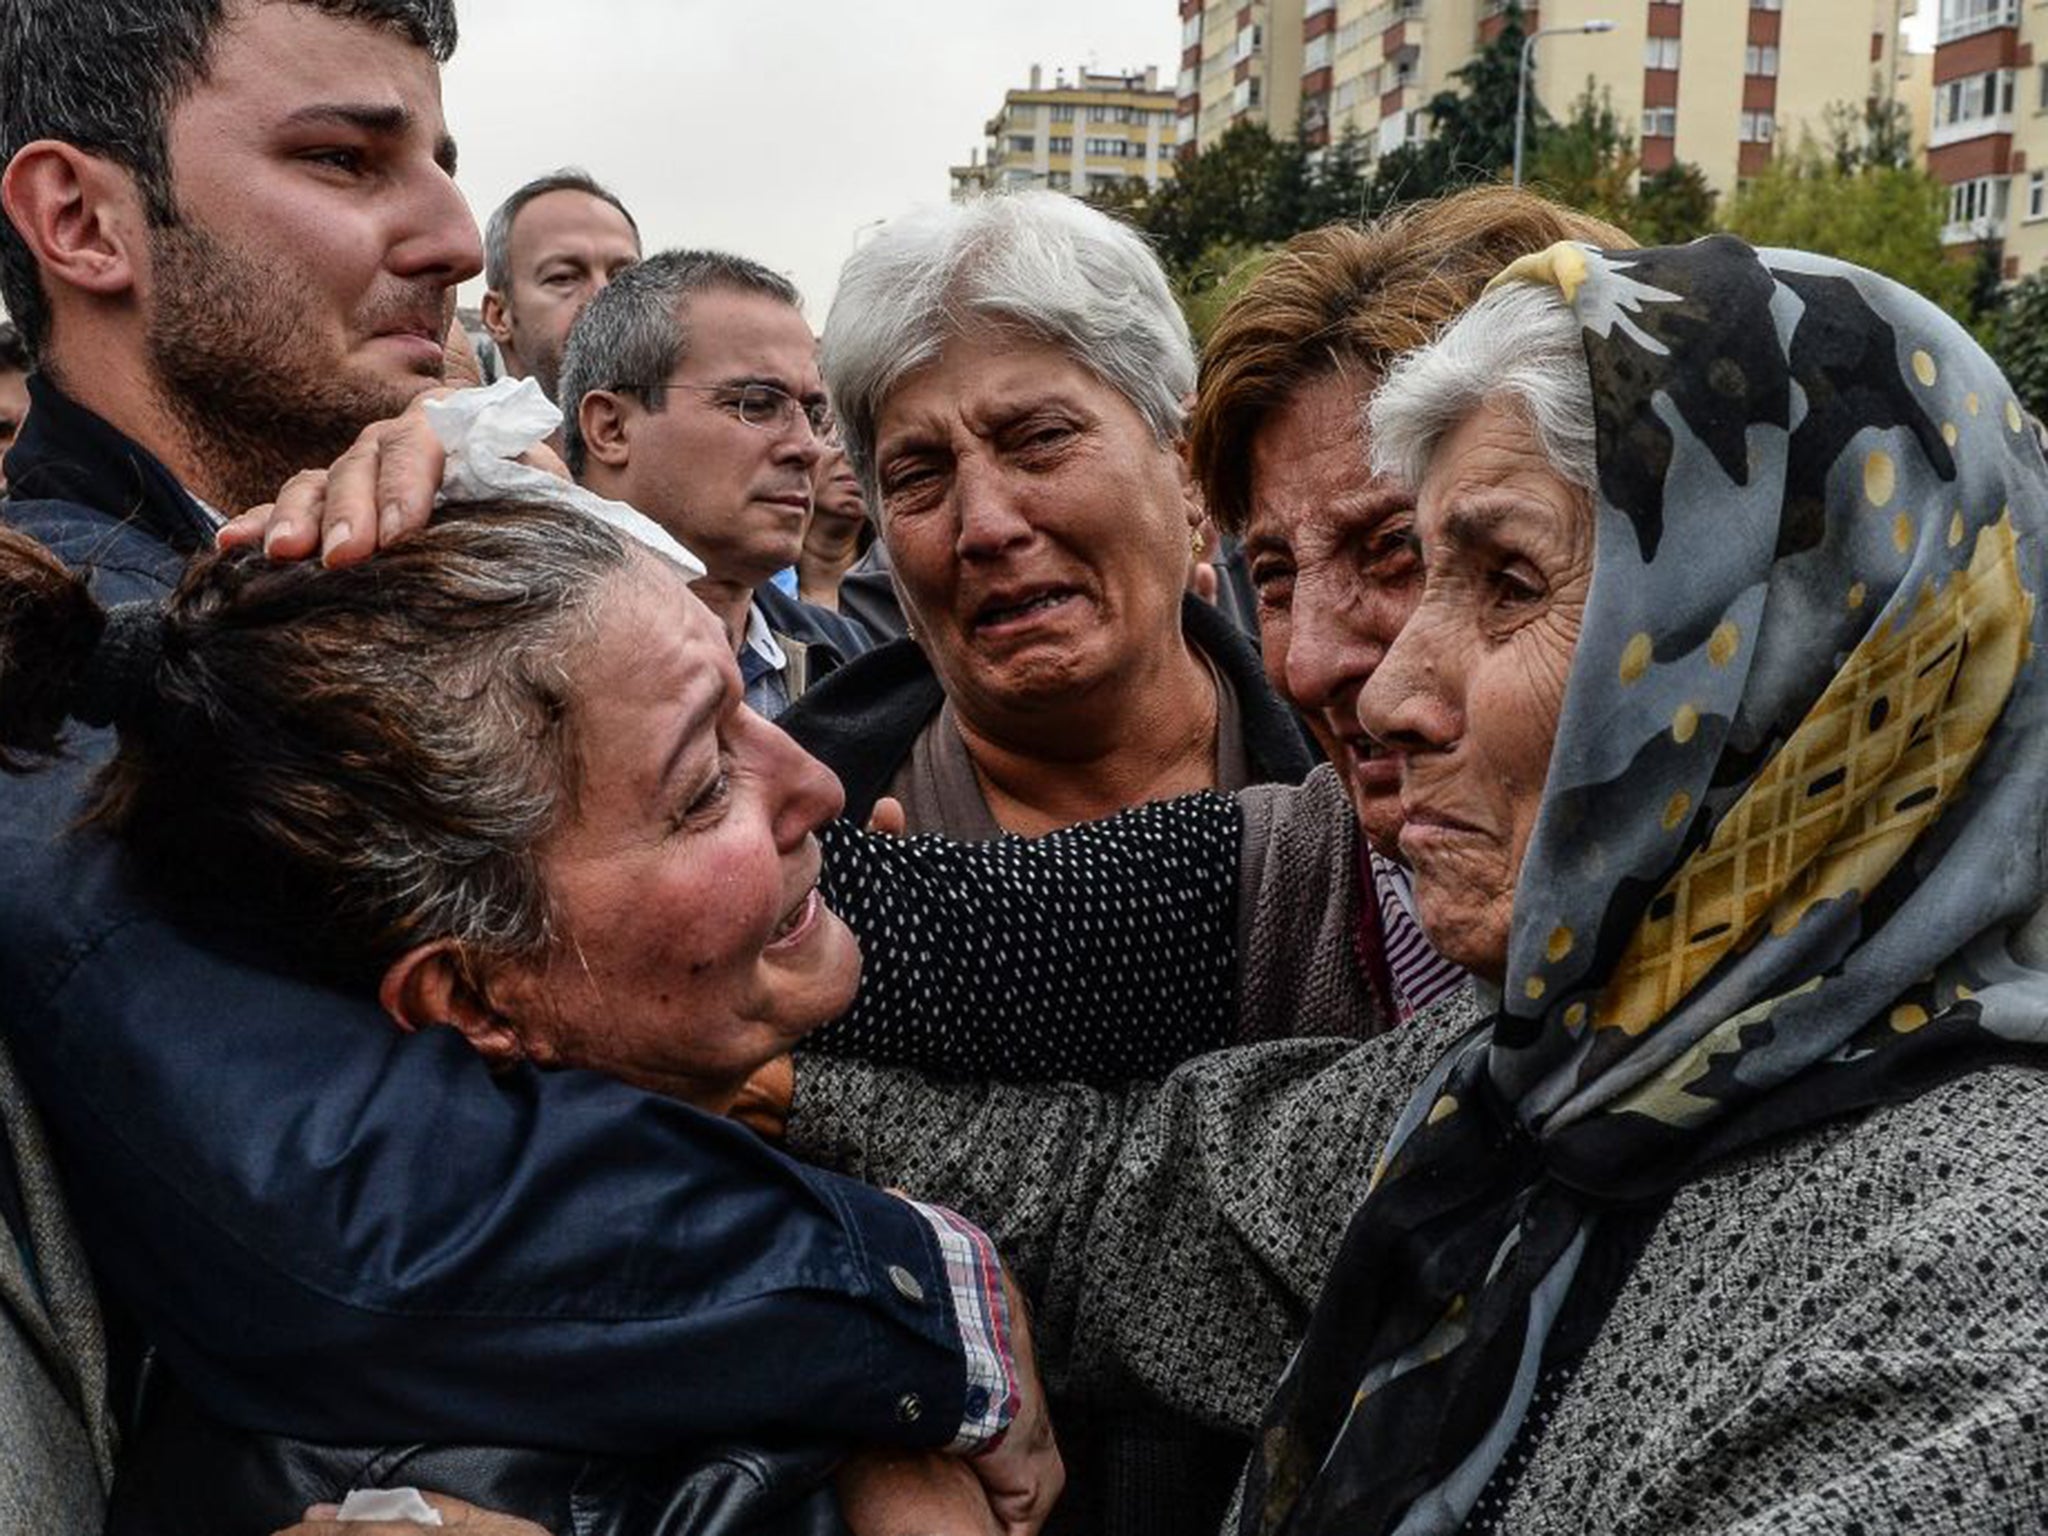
232 241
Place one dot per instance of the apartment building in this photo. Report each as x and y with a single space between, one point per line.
1240 62
1989 139
1078 136
1716 83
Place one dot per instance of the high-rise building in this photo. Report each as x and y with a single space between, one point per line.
1988 143
1240 62
1078 137
1716 83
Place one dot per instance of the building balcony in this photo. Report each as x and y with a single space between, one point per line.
1973 232
1969 128
1966 18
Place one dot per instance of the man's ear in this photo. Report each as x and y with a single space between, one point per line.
430 985
603 417
497 318
80 214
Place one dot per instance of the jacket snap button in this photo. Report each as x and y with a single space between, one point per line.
905 1283
909 1408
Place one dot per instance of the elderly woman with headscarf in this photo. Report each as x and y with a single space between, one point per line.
1009 377
1714 725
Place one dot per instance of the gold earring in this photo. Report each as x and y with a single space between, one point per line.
1196 543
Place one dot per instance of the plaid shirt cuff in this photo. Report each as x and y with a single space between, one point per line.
982 1313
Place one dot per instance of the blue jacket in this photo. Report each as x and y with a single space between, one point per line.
333 1230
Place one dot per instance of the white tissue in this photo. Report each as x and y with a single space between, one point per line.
389 1503
485 430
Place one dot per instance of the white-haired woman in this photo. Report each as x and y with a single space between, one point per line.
1008 377
1717 723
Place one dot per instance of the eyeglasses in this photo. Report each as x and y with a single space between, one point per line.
760 406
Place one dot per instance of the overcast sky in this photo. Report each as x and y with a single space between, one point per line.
777 131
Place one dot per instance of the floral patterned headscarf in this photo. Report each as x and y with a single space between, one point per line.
1788 859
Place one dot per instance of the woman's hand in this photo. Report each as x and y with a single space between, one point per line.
912 1494
455 1515
1023 1476
763 1103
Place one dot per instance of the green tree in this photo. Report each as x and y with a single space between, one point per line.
1589 161
2020 341
1673 206
1870 133
1886 218
1472 126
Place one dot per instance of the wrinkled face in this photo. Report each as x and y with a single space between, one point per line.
13 412
565 246
1332 556
311 274
736 495
1467 699
1038 529
691 945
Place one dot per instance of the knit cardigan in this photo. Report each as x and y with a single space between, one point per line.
1846 1331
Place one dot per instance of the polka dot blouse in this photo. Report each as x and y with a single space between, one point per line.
1103 953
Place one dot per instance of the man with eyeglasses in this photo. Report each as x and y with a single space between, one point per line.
691 390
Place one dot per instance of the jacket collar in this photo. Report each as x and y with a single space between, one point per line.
68 453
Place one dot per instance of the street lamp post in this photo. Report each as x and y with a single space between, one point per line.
1522 78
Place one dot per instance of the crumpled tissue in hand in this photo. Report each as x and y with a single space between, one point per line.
388 1504
483 432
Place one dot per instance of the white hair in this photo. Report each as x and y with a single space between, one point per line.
1038 263
1518 347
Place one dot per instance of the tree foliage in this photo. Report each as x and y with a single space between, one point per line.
2020 341
1884 217
1247 191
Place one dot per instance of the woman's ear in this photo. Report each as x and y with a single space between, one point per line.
430 985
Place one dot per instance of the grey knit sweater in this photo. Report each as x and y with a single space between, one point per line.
1845 1332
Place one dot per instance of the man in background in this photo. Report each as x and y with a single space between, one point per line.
548 249
691 392
13 392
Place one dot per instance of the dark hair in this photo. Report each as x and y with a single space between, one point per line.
105 75
375 752
13 355
498 231
1355 297
633 331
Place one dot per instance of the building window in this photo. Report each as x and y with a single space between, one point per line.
1023 143
1660 122
1059 144
1317 54
1660 53
1757 128
2037 194
1349 36
1767 5
1974 98
1760 59
2041 89
1247 44
1964 18
1191 31
1979 201
1062 111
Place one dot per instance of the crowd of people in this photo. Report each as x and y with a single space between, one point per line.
754 932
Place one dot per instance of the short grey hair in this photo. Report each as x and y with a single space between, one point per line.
1038 263
634 333
1520 346
498 231
104 75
